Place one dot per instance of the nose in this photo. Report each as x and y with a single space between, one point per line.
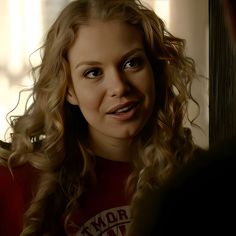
118 84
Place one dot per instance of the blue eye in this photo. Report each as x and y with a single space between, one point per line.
133 63
92 73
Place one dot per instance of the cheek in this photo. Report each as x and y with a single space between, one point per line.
88 99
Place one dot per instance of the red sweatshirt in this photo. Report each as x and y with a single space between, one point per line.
15 196
104 209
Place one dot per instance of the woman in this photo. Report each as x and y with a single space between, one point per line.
106 122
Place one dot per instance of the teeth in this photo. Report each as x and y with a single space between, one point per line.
123 109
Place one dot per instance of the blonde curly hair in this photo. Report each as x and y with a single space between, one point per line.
163 145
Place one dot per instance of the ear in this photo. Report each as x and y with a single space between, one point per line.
71 96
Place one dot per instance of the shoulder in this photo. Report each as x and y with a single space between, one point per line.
20 181
16 193
21 175
17 186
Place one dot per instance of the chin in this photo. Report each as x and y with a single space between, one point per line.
128 134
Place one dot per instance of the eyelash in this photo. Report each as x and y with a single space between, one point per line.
137 61
92 70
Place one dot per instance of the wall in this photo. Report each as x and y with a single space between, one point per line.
189 20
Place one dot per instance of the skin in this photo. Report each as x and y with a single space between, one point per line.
110 72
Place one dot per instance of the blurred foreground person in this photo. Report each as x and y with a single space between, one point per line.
199 199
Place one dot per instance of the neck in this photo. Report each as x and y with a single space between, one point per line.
113 149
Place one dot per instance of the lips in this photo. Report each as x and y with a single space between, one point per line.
122 108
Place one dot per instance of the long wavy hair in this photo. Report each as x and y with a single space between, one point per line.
51 134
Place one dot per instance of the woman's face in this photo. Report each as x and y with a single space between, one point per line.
112 80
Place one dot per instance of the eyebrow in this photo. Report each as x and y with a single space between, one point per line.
126 55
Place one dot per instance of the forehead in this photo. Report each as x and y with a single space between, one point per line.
98 27
104 37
